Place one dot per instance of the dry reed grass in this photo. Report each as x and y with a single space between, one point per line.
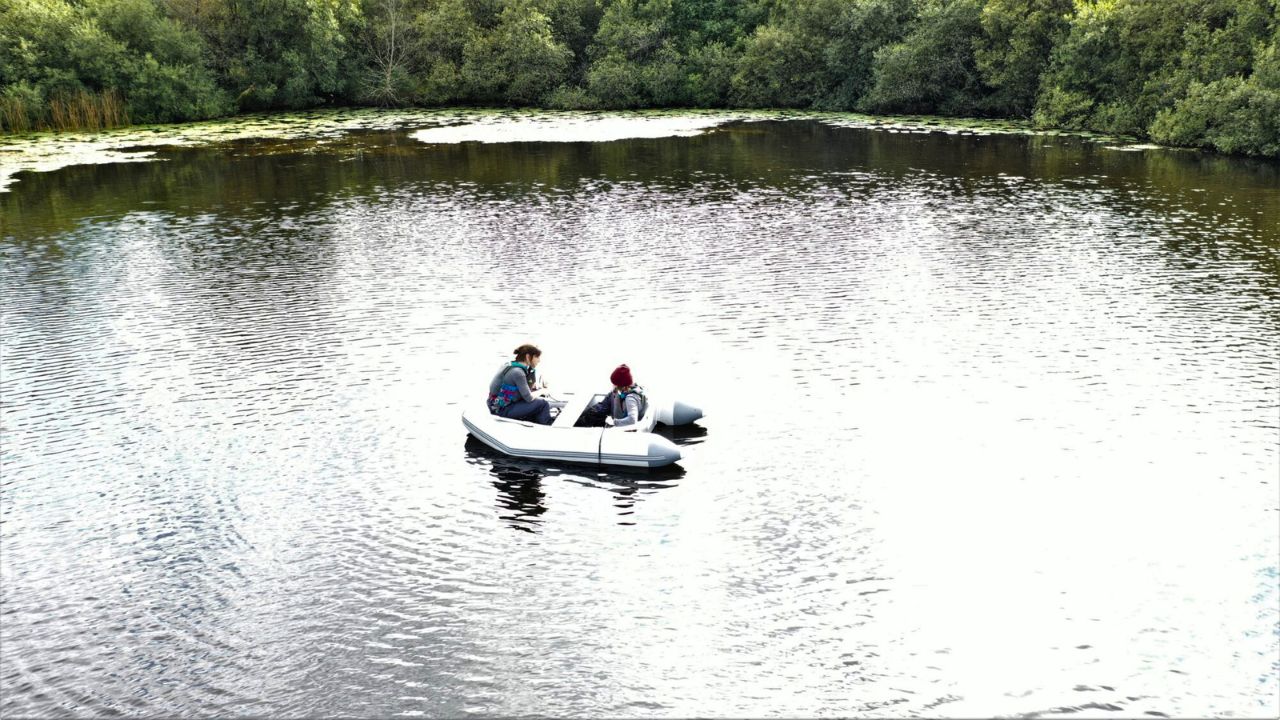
82 110
13 115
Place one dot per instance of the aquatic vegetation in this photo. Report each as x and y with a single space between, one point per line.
44 152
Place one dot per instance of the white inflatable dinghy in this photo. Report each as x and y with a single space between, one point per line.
633 446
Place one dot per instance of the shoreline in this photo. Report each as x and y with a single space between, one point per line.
47 151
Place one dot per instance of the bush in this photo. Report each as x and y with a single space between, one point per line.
614 82
777 69
1013 51
442 84
21 107
1200 73
663 78
933 70
171 93
633 60
519 61
1233 115
709 75
100 64
1070 109
569 97
288 53
857 31
442 30
1134 60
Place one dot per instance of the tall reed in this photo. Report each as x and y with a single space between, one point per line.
81 110
13 115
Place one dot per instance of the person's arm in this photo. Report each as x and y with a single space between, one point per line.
632 404
521 383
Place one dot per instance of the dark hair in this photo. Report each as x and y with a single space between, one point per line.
527 351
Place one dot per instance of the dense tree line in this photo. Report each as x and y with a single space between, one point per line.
1184 72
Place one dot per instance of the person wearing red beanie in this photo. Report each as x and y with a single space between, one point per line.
626 402
624 405
621 377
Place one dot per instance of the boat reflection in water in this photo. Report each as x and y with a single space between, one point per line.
521 500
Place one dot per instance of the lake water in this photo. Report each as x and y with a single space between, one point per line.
992 428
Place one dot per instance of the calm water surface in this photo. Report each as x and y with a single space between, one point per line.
992 429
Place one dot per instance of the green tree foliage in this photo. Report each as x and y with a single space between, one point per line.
727 22
710 35
669 52
860 30
573 24
1013 50
1201 73
519 61
1233 114
634 57
285 53
818 53
775 70
1124 61
709 74
52 49
443 27
934 69
782 62
164 69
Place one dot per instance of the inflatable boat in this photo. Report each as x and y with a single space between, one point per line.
632 446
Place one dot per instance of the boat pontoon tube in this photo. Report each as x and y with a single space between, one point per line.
597 446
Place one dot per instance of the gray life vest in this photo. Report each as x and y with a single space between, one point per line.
618 402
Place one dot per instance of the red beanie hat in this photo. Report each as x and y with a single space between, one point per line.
621 376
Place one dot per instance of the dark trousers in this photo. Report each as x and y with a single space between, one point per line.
536 410
594 415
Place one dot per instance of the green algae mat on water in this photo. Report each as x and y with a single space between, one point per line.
44 152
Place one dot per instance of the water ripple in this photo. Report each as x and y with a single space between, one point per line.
986 436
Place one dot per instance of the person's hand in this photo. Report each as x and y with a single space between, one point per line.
608 421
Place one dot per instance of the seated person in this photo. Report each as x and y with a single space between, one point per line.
514 392
624 405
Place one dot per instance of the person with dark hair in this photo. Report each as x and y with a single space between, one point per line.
624 405
514 391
